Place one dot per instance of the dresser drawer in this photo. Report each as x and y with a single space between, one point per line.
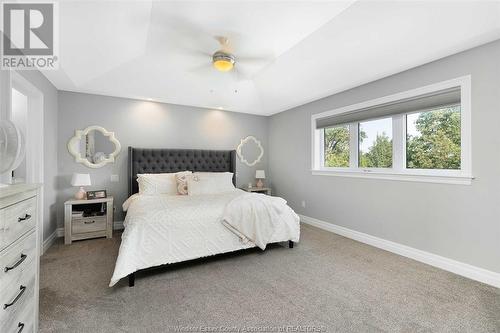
17 257
21 322
18 295
15 220
88 224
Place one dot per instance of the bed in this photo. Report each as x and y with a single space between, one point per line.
166 229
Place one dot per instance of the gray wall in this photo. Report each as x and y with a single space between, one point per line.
454 221
148 125
50 153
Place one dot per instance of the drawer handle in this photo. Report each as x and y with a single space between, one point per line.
26 217
21 327
89 222
23 257
23 289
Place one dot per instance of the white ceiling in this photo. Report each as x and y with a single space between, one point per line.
161 50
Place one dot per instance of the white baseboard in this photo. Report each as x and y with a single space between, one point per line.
457 267
49 241
59 232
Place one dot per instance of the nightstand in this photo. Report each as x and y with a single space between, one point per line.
264 190
85 219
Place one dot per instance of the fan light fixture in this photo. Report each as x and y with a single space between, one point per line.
223 61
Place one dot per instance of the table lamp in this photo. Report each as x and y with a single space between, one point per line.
81 180
260 174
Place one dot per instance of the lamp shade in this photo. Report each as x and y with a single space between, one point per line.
80 179
260 174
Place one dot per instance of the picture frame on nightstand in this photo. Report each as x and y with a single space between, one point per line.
100 194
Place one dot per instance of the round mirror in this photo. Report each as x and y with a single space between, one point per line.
250 151
94 146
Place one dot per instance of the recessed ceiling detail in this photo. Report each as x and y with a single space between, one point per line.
285 53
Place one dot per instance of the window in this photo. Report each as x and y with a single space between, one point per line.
419 135
336 146
375 143
433 139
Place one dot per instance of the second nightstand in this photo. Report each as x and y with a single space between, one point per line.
85 219
265 190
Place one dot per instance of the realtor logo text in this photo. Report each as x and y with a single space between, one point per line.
30 35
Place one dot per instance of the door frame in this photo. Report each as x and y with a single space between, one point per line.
34 127
34 132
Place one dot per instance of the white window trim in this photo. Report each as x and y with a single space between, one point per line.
399 171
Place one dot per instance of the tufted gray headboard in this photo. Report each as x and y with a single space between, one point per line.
141 160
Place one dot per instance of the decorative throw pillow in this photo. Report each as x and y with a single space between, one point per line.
157 183
182 184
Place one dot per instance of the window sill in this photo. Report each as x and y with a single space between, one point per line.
408 177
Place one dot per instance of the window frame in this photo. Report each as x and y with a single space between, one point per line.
399 170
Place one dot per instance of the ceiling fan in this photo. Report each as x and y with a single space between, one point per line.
225 60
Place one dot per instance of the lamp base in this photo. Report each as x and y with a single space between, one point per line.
81 194
260 184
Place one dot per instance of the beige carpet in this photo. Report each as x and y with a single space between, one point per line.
327 282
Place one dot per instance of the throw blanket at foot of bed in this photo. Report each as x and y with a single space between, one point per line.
256 218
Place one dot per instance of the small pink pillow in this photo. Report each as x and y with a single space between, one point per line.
182 185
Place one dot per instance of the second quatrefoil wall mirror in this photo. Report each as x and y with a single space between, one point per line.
250 151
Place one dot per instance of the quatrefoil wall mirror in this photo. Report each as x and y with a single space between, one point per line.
94 146
250 151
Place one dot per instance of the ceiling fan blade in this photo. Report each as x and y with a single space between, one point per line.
198 68
198 52
181 32
256 59
225 44
201 69
194 56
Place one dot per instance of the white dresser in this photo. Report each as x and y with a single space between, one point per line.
19 258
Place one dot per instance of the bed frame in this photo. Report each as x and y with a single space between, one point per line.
141 160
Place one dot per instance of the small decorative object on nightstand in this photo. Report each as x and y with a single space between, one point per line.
81 180
101 194
264 190
260 174
85 219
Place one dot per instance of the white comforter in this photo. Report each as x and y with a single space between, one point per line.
167 229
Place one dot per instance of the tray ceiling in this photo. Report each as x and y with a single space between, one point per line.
154 50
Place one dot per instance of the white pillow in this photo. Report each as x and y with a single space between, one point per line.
198 186
210 183
224 180
157 183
